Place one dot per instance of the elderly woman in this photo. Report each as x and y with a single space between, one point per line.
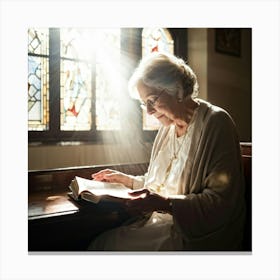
193 193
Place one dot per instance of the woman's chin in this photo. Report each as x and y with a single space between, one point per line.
165 121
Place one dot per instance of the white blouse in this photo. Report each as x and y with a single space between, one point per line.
158 173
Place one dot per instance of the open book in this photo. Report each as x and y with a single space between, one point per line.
94 191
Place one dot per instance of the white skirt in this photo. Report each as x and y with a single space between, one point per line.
155 233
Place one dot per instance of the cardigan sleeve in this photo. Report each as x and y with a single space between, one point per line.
216 185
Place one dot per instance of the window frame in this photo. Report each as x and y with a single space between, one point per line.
131 46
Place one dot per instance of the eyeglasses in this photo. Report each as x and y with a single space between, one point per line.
150 103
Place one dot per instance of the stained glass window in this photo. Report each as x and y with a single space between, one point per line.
38 79
89 79
108 76
75 79
155 40
76 95
79 48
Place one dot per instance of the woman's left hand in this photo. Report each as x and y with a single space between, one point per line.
147 202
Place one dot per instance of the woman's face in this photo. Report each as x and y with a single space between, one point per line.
159 104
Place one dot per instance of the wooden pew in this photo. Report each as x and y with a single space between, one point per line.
57 223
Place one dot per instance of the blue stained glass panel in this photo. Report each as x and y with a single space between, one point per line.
38 79
38 90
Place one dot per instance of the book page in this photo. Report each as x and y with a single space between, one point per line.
102 188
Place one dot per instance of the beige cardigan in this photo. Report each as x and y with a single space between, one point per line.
210 215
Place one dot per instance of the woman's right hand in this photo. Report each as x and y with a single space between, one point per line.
113 176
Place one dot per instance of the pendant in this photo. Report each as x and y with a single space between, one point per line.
161 187
157 188
169 167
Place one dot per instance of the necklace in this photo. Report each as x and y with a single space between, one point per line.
174 156
160 187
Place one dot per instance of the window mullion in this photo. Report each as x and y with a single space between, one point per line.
54 68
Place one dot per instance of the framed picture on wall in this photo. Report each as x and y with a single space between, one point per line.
228 41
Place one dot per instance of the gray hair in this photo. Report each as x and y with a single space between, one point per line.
162 71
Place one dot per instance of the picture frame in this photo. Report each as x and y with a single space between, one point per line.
228 41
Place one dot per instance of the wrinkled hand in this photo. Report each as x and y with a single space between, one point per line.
146 201
112 176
